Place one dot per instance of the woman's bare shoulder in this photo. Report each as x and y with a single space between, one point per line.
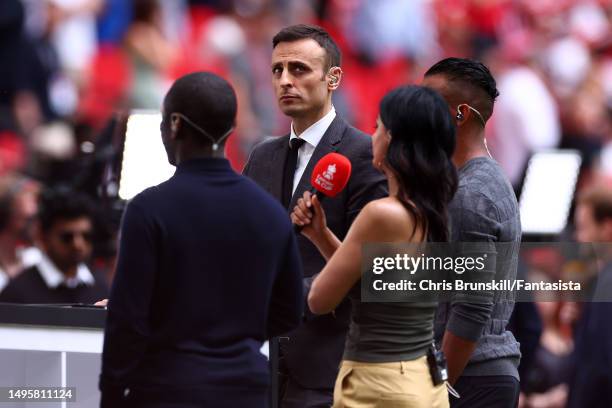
384 220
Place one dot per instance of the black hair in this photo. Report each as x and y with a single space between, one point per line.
63 204
205 99
144 10
322 37
473 74
419 155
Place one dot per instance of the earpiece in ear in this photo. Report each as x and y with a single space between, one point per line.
333 80
459 113
174 120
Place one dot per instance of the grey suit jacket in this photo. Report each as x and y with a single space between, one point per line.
316 347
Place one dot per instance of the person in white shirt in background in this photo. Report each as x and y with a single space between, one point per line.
526 116
74 34
64 232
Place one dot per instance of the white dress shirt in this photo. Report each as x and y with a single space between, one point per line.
311 136
53 277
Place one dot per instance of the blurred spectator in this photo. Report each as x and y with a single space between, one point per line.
74 33
591 384
385 29
65 232
25 73
245 42
586 118
567 62
594 215
526 326
546 381
150 54
526 117
18 207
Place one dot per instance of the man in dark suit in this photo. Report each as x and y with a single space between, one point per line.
208 269
60 274
306 71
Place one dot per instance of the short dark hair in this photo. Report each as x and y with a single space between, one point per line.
303 31
471 73
63 204
144 10
422 145
207 100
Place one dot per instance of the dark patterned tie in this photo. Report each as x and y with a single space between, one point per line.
289 170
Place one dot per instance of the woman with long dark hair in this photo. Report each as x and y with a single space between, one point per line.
385 361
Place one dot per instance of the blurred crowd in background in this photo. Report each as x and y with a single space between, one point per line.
69 65
71 69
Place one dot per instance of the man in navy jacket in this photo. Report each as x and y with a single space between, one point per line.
207 270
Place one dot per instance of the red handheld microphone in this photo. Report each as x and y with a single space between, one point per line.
329 177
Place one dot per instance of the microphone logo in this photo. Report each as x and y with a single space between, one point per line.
325 180
329 173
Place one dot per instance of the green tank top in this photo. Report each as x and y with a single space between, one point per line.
387 332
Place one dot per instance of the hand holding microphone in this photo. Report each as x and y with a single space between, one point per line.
329 177
309 217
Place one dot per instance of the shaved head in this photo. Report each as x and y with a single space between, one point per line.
206 99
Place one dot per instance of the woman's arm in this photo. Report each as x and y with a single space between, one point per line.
381 221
